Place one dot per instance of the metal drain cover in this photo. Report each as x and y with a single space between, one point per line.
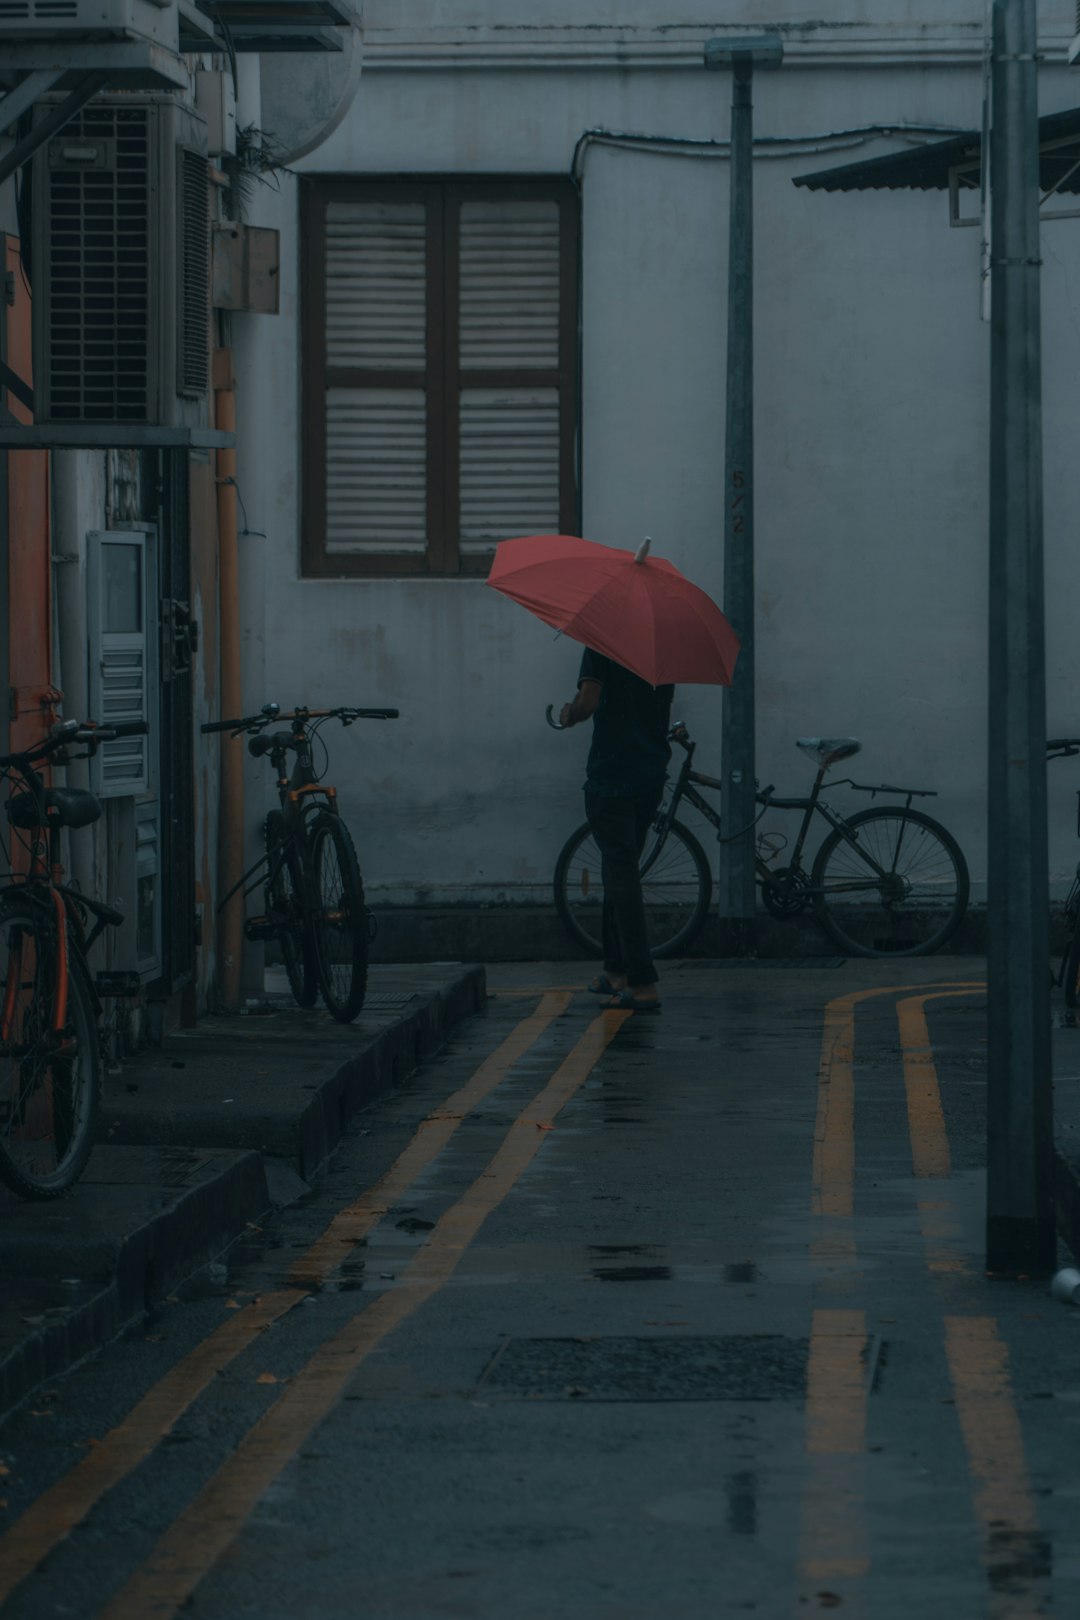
751 1367
387 1000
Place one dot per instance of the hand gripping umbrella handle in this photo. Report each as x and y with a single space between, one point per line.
552 722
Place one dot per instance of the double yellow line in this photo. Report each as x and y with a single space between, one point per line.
834 1544
189 1549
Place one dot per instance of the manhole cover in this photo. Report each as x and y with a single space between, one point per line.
387 1000
752 1367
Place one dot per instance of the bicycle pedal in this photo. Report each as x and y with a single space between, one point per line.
259 928
117 982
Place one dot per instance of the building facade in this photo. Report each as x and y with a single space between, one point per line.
504 284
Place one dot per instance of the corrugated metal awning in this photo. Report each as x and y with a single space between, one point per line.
928 168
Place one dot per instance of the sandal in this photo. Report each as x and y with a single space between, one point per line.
626 1001
602 986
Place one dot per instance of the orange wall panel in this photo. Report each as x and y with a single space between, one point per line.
29 568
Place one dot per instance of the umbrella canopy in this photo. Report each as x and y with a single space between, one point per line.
638 610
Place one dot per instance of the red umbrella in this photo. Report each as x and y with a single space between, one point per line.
636 609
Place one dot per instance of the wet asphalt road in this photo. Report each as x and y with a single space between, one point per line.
605 1317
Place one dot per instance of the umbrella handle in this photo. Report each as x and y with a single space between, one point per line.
554 724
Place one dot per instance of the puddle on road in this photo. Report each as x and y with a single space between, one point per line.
604 1254
741 1491
632 1273
742 1271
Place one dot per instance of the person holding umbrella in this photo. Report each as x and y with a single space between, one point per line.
624 783
645 627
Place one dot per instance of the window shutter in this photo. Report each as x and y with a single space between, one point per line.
510 285
509 321
440 322
509 464
376 345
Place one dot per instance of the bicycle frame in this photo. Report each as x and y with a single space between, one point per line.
300 795
688 780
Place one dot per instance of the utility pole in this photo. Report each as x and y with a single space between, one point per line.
737 892
1020 1235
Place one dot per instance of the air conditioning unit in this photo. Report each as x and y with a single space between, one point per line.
56 21
120 267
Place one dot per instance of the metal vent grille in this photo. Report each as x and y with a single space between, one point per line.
123 697
194 291
24 11
99 270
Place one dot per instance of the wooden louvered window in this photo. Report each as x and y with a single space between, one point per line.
440 392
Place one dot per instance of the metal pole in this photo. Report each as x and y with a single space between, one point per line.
1019 1204
737 898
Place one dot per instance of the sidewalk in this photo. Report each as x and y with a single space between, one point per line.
198 1139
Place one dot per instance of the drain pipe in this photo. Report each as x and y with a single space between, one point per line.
231 765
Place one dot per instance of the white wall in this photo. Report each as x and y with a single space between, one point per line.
872 426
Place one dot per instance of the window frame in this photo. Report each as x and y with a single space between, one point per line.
442 196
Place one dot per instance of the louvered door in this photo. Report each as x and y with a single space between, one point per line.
440 367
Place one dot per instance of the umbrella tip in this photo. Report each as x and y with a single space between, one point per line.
643 550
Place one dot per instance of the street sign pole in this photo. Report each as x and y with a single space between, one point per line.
1019 1214
737 894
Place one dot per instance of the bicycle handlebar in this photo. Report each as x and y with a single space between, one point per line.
73 731
1062 747
257 722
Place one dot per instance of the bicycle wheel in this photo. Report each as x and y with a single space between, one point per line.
676 885
50 1081
340 923
285 909
901 889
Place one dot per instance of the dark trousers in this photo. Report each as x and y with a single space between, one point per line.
620 827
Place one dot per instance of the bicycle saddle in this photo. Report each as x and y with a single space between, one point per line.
827 750
64 807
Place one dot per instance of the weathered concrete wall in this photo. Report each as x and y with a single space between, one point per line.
872 428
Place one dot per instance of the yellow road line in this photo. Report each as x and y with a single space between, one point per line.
926 1121
834 1130
66 1503
350 1225
994 1441
930 1155
57 1510
833 1542
190 1548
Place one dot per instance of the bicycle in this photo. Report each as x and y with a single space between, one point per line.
50 1007
1069 975
886 881
313 892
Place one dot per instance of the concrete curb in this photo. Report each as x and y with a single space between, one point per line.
175 1184
146 1261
